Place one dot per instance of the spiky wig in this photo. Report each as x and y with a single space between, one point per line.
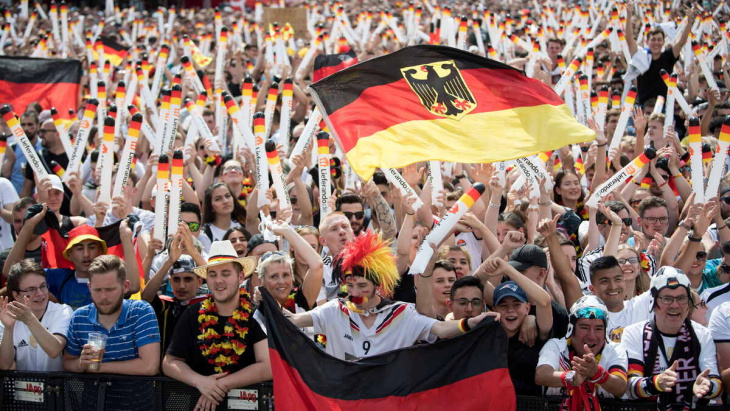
369 256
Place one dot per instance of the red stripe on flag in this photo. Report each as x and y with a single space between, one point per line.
329 70
63 96
494 90
292 393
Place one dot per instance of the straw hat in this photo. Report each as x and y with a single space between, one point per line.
222 252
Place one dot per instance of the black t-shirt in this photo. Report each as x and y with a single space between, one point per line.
650 84
184 342
62 160
34 255
522 362
560 320
406 289
168 313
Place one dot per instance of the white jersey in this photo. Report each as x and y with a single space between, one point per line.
633 343
330 284
720 323
635 310
555 353
397 325
715 296
29 356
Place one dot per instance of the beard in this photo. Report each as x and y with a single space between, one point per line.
108 310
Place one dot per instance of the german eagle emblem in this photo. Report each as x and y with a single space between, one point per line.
441 89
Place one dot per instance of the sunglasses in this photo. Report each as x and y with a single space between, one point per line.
701 256
193 226
725 200
358 215
269 254
628 221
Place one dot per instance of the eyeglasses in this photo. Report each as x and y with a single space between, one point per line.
27 124
632 260
32 290
358 215
668 300
193 226
725 200
701 256
463 302
42 131
654 220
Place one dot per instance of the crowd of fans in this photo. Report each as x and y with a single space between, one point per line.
626 300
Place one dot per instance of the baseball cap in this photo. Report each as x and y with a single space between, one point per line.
256 241
509 289
184 264
56 183
527 256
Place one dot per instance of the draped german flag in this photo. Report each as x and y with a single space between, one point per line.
428 377
51 82
332 63
439 103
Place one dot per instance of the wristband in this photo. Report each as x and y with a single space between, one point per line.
460 324
692 239
720 228
637 182
678 175
493 205
600 376
655 380
213 160
601 145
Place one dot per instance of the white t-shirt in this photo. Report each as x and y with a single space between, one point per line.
719 324
633 343
397 325
330 286
555 353
8 196
29 356
635 310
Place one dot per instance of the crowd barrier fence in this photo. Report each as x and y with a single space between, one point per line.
38 391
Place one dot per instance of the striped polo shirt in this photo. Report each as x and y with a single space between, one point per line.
136 327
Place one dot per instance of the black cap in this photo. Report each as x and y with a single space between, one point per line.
256 240
528 256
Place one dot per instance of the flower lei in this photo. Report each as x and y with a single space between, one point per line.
290 304
223 350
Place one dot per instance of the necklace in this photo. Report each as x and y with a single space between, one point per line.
223 350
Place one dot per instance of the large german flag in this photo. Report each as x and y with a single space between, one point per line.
51 82
445 375
329 64
438 103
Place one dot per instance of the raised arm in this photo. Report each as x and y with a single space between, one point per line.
682 38
313 279
561 265
629 29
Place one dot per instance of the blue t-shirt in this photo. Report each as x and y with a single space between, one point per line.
62 283
135 328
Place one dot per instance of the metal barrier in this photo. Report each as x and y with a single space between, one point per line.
36 391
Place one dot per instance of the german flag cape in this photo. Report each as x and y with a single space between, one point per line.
468 372
51 82
431 102
332 63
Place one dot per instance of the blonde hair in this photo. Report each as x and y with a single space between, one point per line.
444 250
